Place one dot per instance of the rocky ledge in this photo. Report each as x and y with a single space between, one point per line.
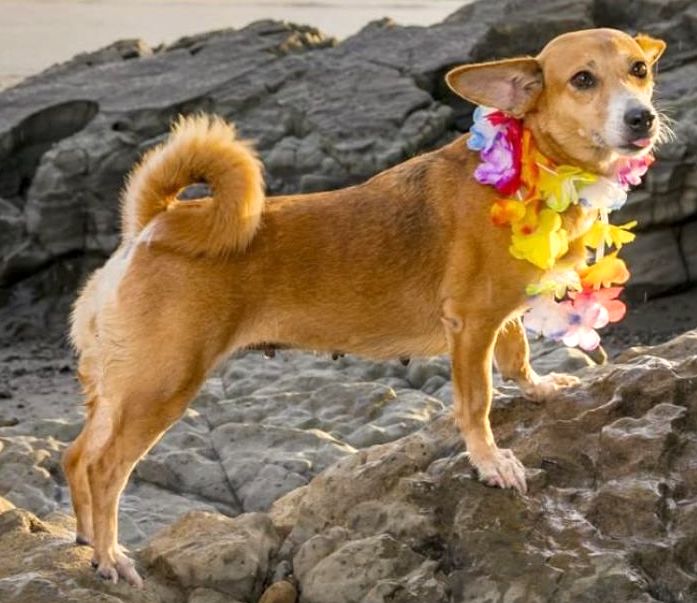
323 115
347 482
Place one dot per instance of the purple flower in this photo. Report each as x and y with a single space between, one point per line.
498 165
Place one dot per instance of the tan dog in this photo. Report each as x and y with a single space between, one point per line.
407 264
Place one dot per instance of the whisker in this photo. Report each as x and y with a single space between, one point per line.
666 133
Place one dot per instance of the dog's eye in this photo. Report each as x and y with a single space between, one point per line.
583 80
639 70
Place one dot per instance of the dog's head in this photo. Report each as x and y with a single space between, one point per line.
586 97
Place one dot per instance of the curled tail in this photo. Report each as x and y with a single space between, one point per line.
200 148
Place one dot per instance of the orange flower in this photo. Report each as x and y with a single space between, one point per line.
606 272
507 211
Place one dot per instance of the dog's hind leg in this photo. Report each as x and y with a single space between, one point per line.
124 430
512 355
76 473
74 465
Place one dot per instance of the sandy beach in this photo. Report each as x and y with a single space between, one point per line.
35 34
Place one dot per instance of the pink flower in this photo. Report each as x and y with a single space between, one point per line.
631 169
593 309
606 297
575 321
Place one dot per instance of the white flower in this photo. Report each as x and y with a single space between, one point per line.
603 194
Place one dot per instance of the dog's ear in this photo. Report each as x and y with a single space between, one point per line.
512 85
653 48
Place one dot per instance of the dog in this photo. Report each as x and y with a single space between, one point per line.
405 264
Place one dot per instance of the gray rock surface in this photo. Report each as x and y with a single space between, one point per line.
323 115
610 514
258 430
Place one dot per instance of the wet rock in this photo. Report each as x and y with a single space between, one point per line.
639 444
609 474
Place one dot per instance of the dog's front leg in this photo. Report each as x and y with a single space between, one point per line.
471 342
512 355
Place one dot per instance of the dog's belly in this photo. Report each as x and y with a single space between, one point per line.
377 345
372 333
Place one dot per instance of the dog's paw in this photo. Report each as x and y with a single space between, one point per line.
120 567
500 468
543 388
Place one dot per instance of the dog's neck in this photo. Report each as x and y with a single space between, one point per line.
547 200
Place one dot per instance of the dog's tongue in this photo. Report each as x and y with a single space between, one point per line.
641 142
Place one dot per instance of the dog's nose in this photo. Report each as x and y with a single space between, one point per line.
639 119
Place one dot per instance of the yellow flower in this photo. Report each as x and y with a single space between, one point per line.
557 281
539 238
559 186
610 234
606 272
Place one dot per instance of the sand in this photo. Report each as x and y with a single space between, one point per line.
35 34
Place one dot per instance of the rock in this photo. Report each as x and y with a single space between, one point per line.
39 562
206 595
638 444
203 550
609 514
145 509
27 466
186 461
356 568
264 462
656 263
609 471
65 154
280 592
688 248
562 360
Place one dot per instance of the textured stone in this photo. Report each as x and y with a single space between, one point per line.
203 550
39 562
609 515
351 571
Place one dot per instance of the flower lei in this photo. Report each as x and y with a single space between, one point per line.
569 302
